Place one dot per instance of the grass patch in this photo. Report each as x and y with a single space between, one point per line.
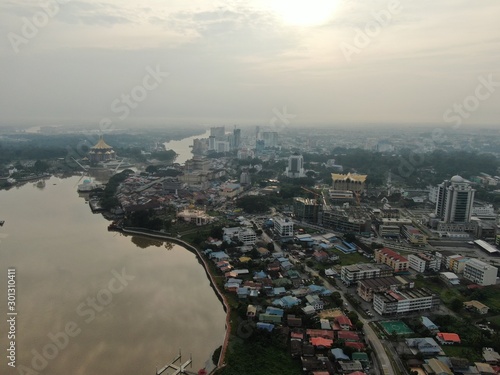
472 354
348 259
495 320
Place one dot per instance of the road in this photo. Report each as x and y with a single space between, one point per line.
383 365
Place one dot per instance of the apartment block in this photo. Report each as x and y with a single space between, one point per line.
394 260
356 272
480 273
400 302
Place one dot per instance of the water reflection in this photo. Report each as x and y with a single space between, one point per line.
65 259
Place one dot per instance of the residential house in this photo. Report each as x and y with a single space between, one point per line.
344 322
476 306
436 367
427 323
427 346
348 336
320 255
315 302
339 355
286 302
448 338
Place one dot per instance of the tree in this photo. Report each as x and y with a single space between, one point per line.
270 246
217 232
456 304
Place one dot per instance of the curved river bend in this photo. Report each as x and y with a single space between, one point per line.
117 305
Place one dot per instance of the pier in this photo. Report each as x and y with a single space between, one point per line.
179 369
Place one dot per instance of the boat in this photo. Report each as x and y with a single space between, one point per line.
86 187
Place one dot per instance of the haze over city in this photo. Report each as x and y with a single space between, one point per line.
238 62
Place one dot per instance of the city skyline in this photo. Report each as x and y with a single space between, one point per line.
276 63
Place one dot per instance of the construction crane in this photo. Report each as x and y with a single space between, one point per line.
310 191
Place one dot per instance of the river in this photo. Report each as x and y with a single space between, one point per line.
91 301
182 147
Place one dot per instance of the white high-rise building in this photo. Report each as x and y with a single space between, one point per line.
295 167
454 204
454 200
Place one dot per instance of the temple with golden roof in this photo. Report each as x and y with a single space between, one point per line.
351 182
101 152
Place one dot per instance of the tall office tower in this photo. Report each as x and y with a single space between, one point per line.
295 167
454 201
270 138
218 132
211 143
236 138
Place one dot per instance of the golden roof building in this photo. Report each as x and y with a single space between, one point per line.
351 182
101 152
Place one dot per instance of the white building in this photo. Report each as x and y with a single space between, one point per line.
295 167
424 262
283 227
454 204
247 236
401 302
480 272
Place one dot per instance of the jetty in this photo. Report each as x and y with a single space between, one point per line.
178 369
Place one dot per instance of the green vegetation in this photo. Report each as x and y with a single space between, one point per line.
109 200
348 259
257 203
262 353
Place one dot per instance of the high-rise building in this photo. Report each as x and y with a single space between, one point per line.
454 204
218 132
295 167
236 138
211 143
270 139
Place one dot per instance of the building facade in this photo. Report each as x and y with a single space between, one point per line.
480 273
424 262
454 204
295 167
351 182
352 274
283 227
401 302
394 260
101 152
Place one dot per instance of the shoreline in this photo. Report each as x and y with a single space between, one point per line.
220 295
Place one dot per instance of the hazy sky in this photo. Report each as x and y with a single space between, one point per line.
249 62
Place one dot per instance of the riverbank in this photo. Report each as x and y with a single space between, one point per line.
219 293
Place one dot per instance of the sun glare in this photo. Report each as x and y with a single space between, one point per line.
303 12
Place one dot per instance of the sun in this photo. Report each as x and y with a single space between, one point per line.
303 12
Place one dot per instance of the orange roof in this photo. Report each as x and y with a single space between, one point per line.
452 337
320 341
